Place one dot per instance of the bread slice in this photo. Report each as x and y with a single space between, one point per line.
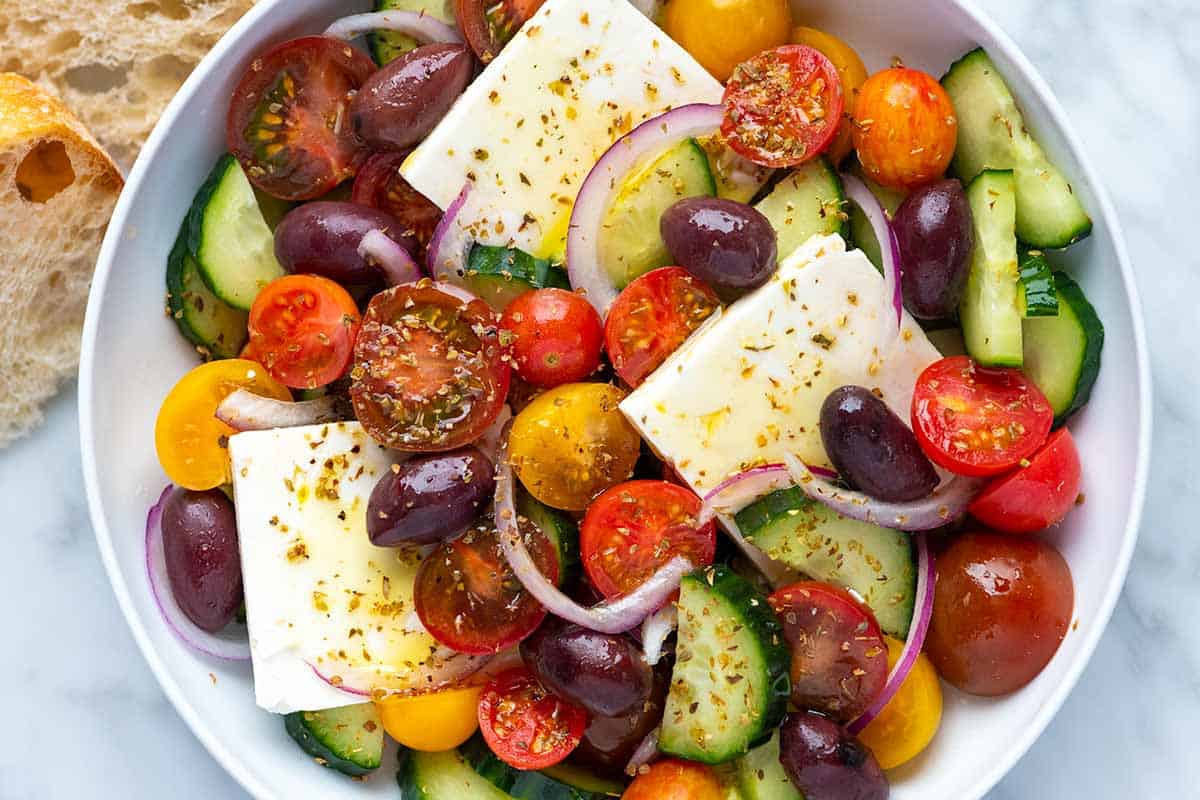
116 64
57 190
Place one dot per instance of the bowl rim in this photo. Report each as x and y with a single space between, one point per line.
233 763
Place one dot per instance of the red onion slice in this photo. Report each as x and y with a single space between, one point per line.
946 504
889 248
443 669
389 257
490 442
922 613
646 752
221 645
451 242
655 630
735 493
243 410
420 26
652 137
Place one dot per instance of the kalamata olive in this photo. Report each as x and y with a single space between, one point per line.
934 231
322 238
727 244
402 102
200 543
609 742
825 762
605 673
872 448
430 499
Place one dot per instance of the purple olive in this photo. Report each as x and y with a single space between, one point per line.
200 543
609 742
824 762
430 499
322 238
934 230
727 244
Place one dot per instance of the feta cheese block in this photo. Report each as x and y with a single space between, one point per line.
748 385
321 600
576 77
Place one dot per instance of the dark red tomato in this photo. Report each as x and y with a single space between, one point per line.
468 598
1000 610
524 724
554 336
978 421
651 317
429 372
783 106
634 528
488 25
839 657
380 185
1033 497
302 329
287 118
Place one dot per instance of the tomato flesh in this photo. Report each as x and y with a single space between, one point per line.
905 128
634 528
674 779
380 185
525 725
652 317
555 336
978 421
1035 497
302 329
487 25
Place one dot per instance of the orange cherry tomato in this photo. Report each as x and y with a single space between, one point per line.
905 128
673 779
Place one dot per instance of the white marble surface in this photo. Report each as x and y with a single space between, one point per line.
84 717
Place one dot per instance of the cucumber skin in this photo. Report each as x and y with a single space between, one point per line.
564 534
1037 286
294 723
1071 296
521 784
419 773
179 299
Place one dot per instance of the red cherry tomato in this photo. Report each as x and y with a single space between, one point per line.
783 106
674 779
286 122
839 656
1035 497
489 25
1000 610
634 528
554 336
302 329
429 372
905 128
380 185
468 598
524 724
651 317
978 421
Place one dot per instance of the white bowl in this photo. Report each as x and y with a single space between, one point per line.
132 355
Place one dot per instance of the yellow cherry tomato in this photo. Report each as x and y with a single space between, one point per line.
192 444
908 722
432 722
571 443
721 34
853 72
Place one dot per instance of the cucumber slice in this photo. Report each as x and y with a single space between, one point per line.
1062 353
805 203
348 739
760 776
583 780
990 310
443 776
499 275
992 135
875 562
386 45
630 244
730 685
528 785
1038 296
229 238
737 178
560 529
217 330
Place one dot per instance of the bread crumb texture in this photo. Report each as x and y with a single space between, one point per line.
115 64
57 191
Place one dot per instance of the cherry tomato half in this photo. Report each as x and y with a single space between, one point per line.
651 317
488 24
525 725
1035 497
302 329
1000 610
429 374
853 74
433 721
783 106
380 185
908 722
286 122
674 779
722 33
468 598
635 528
975 420
839 658
905 128
555 336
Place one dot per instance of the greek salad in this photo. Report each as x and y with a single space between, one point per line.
619 400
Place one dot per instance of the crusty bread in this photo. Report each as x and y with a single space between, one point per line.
57 190
116 64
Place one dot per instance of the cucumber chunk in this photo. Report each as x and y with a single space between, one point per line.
630 244
1038 296
583 780
229 238
217 330
990 310
875 562
387 45
760 776
730 684
499 275
443 776
531 785
737 178
805 203
992 135
560 529
1062 353
348 739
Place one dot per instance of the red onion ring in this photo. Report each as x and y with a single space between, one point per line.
735 493
646 752
655 630
451 242
889 247
490 442
243 410
216 645
389 257
443 668
420 26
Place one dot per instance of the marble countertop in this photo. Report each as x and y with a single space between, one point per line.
85 717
